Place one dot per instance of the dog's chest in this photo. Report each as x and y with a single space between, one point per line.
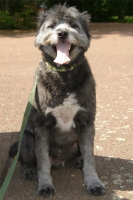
65 113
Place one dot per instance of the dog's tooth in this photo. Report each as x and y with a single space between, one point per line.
69 47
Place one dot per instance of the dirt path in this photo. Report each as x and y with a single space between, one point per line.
111 60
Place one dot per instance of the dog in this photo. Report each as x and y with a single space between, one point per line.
61 127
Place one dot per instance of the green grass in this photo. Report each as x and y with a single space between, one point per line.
127 19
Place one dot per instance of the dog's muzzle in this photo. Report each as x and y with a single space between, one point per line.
62 48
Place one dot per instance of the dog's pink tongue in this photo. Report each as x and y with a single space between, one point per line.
62 53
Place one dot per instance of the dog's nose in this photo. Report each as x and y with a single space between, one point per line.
62 34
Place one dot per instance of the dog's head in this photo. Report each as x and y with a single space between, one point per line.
63 33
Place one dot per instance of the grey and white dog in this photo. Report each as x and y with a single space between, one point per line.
61 128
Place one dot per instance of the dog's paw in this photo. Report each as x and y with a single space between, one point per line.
46 190
30 174
96 190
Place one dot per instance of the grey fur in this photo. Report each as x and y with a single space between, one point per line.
46 141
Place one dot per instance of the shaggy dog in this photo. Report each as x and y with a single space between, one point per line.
60 127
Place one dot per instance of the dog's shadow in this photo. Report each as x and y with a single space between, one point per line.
115 173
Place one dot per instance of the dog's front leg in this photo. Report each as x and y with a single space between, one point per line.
45 186
86 133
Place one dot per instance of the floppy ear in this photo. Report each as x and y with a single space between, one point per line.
86 17
40 19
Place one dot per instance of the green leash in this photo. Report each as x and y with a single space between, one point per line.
25 118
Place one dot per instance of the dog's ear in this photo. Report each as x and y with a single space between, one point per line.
86 17
40 19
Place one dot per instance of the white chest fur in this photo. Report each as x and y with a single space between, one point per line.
65 113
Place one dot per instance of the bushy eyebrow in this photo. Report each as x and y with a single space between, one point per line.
76 22
48 23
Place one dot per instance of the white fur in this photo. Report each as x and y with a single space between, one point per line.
51 35
39 39
65 113
65 27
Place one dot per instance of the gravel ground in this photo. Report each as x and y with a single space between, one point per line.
111 59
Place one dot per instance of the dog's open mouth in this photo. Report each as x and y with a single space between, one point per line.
63 50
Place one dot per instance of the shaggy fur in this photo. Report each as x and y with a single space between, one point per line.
61 124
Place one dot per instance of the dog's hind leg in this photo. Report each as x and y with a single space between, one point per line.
13 150
27 155
45 186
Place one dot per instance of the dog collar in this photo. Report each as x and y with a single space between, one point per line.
62 69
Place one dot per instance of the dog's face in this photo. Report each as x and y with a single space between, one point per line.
63 33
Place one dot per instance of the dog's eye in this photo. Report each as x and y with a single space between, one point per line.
51 26
74 26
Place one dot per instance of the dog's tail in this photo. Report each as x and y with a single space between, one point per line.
13 150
